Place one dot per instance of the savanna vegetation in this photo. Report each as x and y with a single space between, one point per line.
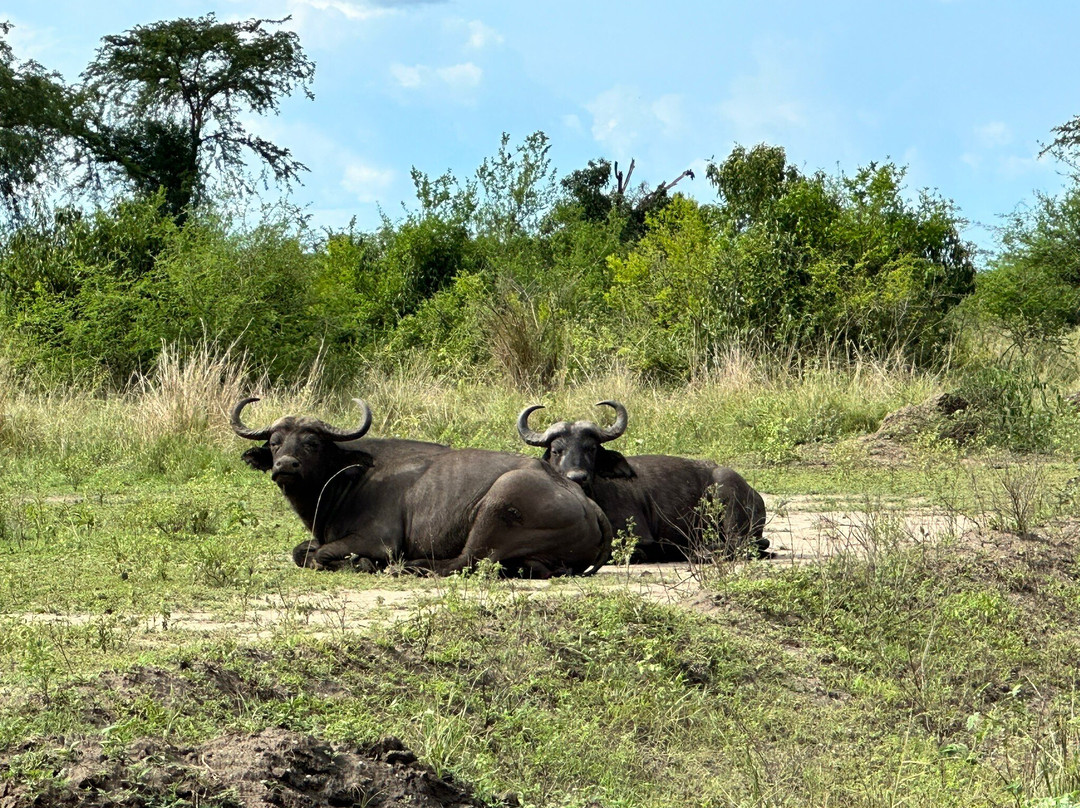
146 593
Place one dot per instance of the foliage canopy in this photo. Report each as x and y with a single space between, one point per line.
165 101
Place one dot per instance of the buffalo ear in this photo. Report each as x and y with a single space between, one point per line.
360 462
259 458
612 464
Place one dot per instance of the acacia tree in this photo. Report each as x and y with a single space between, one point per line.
35 108
162 104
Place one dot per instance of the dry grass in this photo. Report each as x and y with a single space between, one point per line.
747 405
193 388
528 341
190 390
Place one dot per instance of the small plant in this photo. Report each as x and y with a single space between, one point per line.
217 563
624 544
710 553
39 664
1024 489
1017 499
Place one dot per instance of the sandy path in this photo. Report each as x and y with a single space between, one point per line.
799 531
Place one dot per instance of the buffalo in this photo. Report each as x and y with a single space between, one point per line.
368 502
665 498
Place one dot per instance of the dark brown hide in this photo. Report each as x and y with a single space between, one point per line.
368 502
661 495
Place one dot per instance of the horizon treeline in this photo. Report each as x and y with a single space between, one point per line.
520 273
513 270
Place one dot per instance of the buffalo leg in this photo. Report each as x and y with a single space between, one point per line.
333 556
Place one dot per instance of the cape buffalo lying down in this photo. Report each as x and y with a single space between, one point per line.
372 501
660 493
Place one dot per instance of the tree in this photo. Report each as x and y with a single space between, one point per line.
517 188
163 102
751 182
1066 144
35 108
593 191
1032 289
797 261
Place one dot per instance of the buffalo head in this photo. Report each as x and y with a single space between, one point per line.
575 449
299 452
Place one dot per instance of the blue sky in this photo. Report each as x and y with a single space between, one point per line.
961 92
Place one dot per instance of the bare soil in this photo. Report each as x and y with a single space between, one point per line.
274 767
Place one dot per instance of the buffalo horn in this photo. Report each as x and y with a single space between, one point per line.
245 431
339 436
528 435
617 428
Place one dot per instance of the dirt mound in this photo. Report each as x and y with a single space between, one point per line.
939 415
274 767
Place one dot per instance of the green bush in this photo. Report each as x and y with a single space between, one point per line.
1011 404
1032 290
503 275
788 260
71 287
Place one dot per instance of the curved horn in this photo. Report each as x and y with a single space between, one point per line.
243 430
529 436
617 428
338 435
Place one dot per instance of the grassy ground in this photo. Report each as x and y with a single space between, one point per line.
920 673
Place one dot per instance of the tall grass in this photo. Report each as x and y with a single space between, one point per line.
747 404
190 390
747 407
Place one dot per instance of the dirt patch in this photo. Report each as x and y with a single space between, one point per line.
799 529
274 767
800 532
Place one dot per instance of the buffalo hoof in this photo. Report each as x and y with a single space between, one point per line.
304 554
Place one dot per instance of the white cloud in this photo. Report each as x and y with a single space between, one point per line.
357 12
453 77
989 153
771 101
408 77
668 111
326 157
993 134
622 119
756 106
1006 166
332 23
461 76
28 42
480 35
365 182
1018 165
